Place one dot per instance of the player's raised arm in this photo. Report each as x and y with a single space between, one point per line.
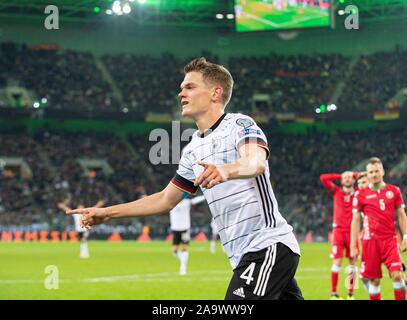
157 203
251 164
328 179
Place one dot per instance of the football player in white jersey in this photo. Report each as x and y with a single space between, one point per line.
83 233
227 159
180 219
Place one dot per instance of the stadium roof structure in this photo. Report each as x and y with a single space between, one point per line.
175 12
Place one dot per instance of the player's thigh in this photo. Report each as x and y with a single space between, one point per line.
338 244
264 274
292 292
371 260
176 239
391 255
186 237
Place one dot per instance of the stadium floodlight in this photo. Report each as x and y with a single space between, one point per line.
125 110
126 8
318 110
230 16
117 8
44 100
219 16
341 12
36 105
332 107
108 11
142 1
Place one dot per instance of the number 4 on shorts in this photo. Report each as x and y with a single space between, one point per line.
248 273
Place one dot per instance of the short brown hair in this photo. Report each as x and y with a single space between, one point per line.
362 175
375 160
213 73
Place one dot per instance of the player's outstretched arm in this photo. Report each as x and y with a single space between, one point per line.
252 163
354 234
157 203
401 214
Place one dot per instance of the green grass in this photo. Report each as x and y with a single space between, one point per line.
131 270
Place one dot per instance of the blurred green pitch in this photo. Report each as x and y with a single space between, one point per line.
145 271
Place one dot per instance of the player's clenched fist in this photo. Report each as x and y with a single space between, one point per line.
211 176
90 216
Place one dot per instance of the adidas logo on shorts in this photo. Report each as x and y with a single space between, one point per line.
239 292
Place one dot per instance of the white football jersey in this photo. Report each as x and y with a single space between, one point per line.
77 220
180 216
245 210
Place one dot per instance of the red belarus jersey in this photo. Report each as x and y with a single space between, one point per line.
342 218
378 208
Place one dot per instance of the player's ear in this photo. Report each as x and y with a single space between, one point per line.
217 94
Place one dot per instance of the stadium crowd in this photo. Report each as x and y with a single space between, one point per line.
295 164
291 83
294 83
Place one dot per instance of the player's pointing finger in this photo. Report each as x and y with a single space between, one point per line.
76 211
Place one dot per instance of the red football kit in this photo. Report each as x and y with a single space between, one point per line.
379 243
342 216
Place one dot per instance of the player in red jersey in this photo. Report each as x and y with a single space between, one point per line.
342 198
378 203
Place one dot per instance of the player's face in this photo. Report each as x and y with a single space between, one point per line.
363 183
195 95
375 173
347 179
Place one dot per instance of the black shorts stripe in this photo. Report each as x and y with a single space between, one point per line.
230 195
270 198
264 266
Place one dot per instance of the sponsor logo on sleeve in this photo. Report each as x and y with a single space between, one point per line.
246 132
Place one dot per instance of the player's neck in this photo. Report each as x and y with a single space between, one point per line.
348 189
378 185
207 120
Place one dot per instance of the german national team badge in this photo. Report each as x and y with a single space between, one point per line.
389 194
245 123
216 145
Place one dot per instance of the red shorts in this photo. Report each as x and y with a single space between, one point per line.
376 252
340 241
